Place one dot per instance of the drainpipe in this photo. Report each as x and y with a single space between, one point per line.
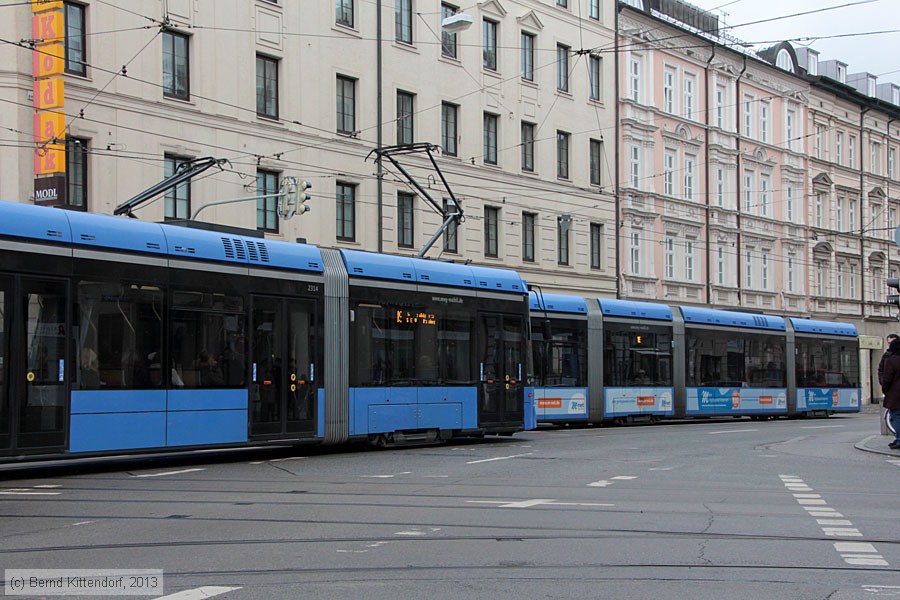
862 196
706 162
379 173
618 200
739 103
887 195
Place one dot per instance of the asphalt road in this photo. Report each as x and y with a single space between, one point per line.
704 510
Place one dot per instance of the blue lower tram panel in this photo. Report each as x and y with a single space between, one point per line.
385 410
130 420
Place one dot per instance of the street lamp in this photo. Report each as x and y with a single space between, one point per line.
456 23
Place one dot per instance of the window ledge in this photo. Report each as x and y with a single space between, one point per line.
346 30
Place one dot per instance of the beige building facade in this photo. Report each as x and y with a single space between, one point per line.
522 110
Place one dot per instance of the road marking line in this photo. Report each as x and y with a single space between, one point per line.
484 460
26 493
533 503
854 547
660 468
810 501
579 504
601 483
528 503
200 593
799 488
731 431
47 486
807 495
175 473
843 522
274 460
842 531
385 476
790 477
624 477
867 562
821 426
824 514
81 523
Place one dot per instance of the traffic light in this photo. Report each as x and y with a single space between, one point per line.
303 196
894 299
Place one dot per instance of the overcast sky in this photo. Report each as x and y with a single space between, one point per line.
878 54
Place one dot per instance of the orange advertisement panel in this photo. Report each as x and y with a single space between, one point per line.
49 125
50 159
39 6
766 400
646 400
549 402
47 61
49 28
48 93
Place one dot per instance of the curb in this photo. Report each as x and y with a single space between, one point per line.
861 445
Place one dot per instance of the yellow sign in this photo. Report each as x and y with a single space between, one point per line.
30 376
48 93
49 125
48 28
39 6
47 61
50 159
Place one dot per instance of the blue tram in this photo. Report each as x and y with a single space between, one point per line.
603 360
118 335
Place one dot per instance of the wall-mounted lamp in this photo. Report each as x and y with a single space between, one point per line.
456 23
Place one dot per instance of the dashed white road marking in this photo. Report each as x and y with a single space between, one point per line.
26 492
385 476
535 502
484 460
821 426
199 593
731 431
47 486
601 483
81 523
889 590
624 477
834 522
166 474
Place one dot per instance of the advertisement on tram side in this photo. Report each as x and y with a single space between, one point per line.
834 399
624 401
719 401
561 403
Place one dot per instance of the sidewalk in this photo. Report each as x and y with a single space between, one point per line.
877 443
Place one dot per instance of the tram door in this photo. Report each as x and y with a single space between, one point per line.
502 394
282 379
33 385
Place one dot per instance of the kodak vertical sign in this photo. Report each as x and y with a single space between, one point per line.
48 29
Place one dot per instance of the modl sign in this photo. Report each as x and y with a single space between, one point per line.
50 191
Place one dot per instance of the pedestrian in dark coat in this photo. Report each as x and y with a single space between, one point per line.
890 338
890 385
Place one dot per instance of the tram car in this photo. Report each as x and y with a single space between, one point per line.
120 336
605 360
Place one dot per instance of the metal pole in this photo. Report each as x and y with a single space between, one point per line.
379 177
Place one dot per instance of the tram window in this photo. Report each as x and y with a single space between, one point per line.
722 359
208 341
410 344
827 363
118 336
637 355
561 360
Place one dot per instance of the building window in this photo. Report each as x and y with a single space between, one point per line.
76 172
689 162
76 46
852 214
176 66
820 278
688 107
840 280
851 152
448 40
596 150
720 187
343 12
875 162
267 208
669 173
790 274
595 71
669 90
403 21
178 199
562 68
765 270
635 166
405 232
528 147
490 138
820 134
405 112
790 203
634 71
449 113
720 265
563 224
527 56
562 3
489 45
266 86
789 130
562 154
839 147
597 242
720 107
689 260
853 282
749 269
748 192
670 257
594 9
891 162
748 116
635 253
764 122
820 202
346 211
528 236
346 105
450 234
491 220
840 213
764 195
